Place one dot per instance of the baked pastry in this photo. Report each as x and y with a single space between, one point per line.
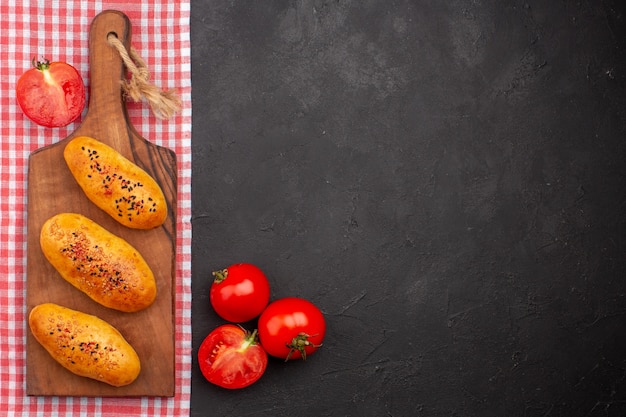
84 344
115 184
102 265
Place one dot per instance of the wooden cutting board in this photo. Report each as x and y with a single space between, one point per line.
52 190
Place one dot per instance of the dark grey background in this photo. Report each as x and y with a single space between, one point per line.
445 179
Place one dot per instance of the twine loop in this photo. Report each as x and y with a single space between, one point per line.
164 104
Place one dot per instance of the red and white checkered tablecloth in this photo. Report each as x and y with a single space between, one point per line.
59 30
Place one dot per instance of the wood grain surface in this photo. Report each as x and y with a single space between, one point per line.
52 189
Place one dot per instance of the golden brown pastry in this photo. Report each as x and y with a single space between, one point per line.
84 344
97 262
115 184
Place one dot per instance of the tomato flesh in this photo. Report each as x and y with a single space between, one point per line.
240 292
291 328
231 358
51 94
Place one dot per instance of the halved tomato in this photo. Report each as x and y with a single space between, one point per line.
230 357
51 94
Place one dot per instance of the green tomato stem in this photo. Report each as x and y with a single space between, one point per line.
250 340
220 275
41 65
299 343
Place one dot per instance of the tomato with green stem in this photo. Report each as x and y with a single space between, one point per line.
291 328
231 357
51 94
240 292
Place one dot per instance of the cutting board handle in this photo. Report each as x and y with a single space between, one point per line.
107 70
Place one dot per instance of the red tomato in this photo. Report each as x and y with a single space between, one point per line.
239 293
51 94
231 358
291 328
